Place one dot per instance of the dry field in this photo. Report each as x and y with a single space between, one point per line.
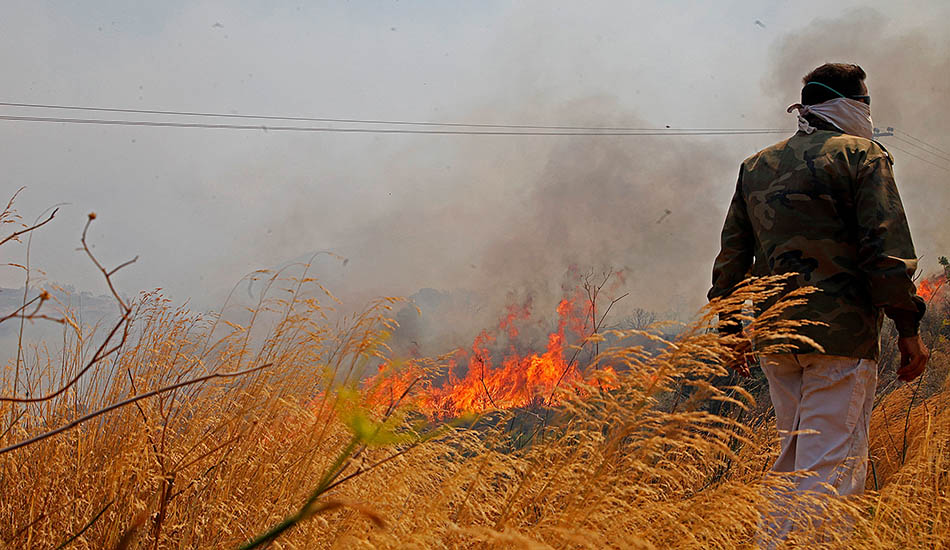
270 434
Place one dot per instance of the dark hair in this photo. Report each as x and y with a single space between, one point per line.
843 77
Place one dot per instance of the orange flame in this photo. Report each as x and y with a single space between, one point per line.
515 313
518 381
931 286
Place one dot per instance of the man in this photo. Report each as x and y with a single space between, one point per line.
823 204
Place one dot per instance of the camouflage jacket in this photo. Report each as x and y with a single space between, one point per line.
825 206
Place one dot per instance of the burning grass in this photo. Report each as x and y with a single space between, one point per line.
525 380
297 451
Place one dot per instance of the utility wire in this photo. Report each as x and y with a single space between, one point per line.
922 148
358 120
580 130
489 129
906 152
328 129
924 142
525 130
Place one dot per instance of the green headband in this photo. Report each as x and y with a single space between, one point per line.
826 86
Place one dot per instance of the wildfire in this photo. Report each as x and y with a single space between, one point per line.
515 312
517 380
931 286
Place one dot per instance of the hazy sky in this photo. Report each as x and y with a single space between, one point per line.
203 207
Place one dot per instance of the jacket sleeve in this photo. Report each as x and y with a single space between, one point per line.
885 249
736 253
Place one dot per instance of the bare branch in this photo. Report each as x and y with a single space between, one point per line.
106 273
592 292
100 354
594 331
16 234
361 470
395 403
19 310
123 264
26 527
79 533
35 314
609 306
8 210
103 350
43 316
125 402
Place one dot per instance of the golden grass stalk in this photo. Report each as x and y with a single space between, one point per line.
296 457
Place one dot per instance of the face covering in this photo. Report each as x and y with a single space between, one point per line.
846 114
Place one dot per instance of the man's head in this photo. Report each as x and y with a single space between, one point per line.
846 79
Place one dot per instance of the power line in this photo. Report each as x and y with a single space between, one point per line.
328 129
359 121
924 147
905 151
506 129
554 130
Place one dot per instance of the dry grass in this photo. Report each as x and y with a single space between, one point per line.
212 465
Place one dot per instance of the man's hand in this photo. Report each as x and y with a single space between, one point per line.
914 356
741 356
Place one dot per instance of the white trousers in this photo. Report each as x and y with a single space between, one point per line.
831 398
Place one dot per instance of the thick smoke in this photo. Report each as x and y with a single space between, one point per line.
653 207
481 220
528 226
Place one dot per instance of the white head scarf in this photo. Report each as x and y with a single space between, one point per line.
846 114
